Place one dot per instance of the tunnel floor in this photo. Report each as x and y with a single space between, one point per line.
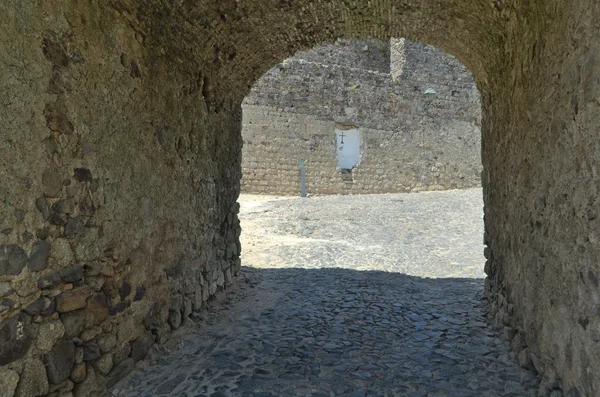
378 295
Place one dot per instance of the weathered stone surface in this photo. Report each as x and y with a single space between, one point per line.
79 373
38 259
74 226
125 290
41 204
78 354
119 371
91 386
14 340
107 343
187 307
104 364
56 118
8 382
61 253
5 289
73 299
91 351
121 353
163 333
49 333
7 304
33 381
49 281
52 182
74 322
12 260
140 292
140 347
82 175
59 362
66 206
72 273
119 307
90 333
129 330
175 319
40 305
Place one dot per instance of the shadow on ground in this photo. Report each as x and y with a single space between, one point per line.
338 332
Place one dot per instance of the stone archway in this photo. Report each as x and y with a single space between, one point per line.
120 168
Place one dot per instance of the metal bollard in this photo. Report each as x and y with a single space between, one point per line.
302 178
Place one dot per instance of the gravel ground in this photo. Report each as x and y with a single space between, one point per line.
377 295
428 234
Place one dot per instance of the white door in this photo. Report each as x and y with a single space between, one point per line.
348 147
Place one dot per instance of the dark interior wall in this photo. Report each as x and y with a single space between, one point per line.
540 154
118 195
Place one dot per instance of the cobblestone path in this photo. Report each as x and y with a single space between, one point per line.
322 309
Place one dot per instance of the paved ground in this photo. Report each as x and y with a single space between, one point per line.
333 302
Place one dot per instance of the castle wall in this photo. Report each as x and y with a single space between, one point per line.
410 140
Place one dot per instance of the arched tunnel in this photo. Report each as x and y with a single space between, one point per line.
120 165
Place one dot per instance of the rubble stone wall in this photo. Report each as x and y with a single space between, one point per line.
100 169
419 127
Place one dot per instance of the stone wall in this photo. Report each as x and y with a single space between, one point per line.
120 160
100 169
410 140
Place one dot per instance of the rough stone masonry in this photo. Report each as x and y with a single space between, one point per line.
416 110
120 166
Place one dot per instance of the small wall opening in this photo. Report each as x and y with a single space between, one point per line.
348 148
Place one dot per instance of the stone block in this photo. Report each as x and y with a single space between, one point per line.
8 382
518 343
12 260
74 322
525 359
72 273
43 305
187 307
91 386
78 354
122 353
163 333
49 333
140 347
49 281
125 290
104 364
107 343
74 226
119 308
52 182
140 292
90 333
174 319
129 330
14 339
73 299
59 362
96 309
33 381
79 373
120 371
38 259
91 351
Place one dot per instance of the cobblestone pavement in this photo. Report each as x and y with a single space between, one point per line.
313 314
